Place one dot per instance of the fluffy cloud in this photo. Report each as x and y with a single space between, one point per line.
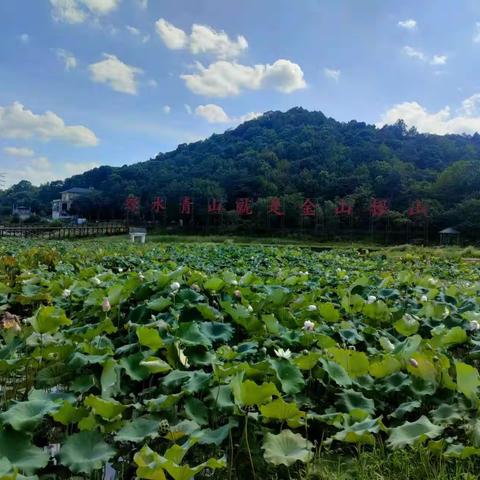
476 34
223 79
442 122
215 114
202 39
67 58
118 75
18 122
332 74
24 38
436 60
166 109
133 30
41 170
188 108
142 4
77 11
19 151
409 24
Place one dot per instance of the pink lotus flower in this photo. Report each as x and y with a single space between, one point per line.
106 307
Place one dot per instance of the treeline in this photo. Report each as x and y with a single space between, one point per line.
297 153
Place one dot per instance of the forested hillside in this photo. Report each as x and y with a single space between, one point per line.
297 153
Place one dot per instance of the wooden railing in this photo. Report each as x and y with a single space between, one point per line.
68 231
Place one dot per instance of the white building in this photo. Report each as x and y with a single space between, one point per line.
61 207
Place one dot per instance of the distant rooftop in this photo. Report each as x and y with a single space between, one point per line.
78 190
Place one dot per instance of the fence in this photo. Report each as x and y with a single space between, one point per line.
74 231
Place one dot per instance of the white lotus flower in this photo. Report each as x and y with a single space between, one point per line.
371 299
281 353
424 298
308 326
120 269
141 276
474 326
234 282
312 308
66 293
413 363
106 307
250 308
175 286
96 281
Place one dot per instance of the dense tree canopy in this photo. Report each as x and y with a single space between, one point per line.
296 152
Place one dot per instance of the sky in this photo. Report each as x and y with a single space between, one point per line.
85 83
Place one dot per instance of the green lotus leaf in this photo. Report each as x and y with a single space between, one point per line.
329 312
189 333
407 325
359 432
454 336
355 363
308 361
208 312
406 407
214 284
216 331
110 378
286 448
49 319
289 375
468 380
163 402
107 409
85 452
413 432
149 464
385 367
353 400
27 415
149 337
336 373
68 414
281 410
139 429
133 368
17 448
196 410
447 414
155 365
159 304
459 450
215 437
248 393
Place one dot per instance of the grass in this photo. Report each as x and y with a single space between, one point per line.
379 464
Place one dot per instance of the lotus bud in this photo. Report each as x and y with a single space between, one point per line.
141 276
308 326
424 298
106 307
371 299
234 282
312 308
413 363
96 281
250 308
174 287
66 293
120 269
237 294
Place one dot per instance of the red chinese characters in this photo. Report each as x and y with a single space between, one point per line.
215 206
276 207
308 208
186 206
418 209
379 207
344 208
132 204
243 206
158 205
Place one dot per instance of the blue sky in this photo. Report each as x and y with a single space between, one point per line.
95 82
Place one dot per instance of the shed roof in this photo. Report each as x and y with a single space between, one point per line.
449 231
78 190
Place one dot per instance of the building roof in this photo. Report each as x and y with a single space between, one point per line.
450 231
78 190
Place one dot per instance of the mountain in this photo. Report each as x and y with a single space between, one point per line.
297 153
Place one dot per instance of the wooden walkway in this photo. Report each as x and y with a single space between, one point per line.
58 233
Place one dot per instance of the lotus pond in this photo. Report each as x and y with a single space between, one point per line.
231 362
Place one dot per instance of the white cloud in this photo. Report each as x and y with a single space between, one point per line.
142 4
332 74
133 30
414 53
24 38
18 122
441 122
188 108
215 114
439 60
223 79
166 109
212 113
152 83
202 40
476 35
409 24
68 59
173 37
77 11
118 75
19 152
41 170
